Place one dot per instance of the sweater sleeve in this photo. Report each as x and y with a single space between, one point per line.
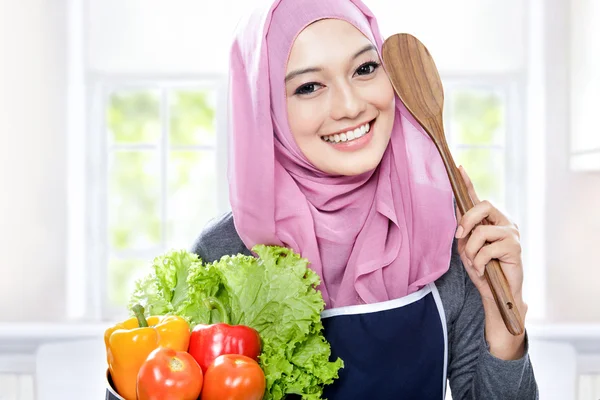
474 373
218 238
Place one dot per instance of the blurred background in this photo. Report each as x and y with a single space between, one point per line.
113 150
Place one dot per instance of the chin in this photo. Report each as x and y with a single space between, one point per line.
358 169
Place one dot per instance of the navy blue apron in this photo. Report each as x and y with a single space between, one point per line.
392 350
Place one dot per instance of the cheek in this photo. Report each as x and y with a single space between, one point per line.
384 98
304 120
379 93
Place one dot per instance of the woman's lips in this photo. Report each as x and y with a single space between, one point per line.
355 144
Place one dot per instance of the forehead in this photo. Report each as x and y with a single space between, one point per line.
326 39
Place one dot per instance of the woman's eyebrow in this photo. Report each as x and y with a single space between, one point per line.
368 47
297 72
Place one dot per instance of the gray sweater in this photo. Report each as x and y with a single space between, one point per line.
473 372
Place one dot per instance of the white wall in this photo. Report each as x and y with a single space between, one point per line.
475 36
32 159
191 36
573 199
161 37
573 237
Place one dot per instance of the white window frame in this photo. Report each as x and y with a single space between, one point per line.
88 240
102 85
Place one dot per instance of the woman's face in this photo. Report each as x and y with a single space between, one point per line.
340 102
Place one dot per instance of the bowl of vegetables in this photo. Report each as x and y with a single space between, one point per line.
251 320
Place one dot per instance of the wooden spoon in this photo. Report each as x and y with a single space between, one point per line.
416 80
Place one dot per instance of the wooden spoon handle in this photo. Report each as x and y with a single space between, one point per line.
493 271
503 297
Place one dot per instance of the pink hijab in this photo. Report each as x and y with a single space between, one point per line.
373 237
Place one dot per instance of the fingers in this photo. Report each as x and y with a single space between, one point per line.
473 273
474 217
500 250
481 235
486 254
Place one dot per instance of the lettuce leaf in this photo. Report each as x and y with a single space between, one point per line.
164 290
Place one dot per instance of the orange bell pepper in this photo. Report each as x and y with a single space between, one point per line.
129 344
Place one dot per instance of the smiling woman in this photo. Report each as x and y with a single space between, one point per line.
326 161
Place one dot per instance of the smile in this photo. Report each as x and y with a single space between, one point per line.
349 135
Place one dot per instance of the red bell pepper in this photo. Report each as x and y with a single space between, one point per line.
208 342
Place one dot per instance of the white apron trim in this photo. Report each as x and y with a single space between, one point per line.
440 306
375 307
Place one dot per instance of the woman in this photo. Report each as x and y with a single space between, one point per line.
326 160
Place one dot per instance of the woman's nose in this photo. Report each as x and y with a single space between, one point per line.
347 103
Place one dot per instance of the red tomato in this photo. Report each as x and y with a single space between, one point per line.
169 375
234 377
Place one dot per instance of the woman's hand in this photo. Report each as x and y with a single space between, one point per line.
477 245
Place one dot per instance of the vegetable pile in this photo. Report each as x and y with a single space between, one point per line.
272 295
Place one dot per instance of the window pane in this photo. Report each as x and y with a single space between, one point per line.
192 118
134 200
477 117
486 169
192 195
122 274
134 117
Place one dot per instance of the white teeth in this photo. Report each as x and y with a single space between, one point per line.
347 136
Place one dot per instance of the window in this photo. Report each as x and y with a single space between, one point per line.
160 176
483 134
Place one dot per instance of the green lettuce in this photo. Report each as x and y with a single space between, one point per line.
164 290
275 293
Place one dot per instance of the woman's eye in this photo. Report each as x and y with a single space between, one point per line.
307 88
367 68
